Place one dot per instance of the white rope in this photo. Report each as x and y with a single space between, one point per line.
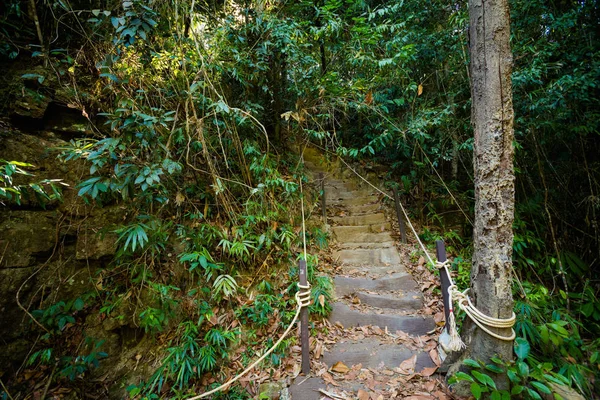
303 299
483 321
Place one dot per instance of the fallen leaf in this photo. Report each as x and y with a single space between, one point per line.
408 366
322 300
429 386
429 371
435 357
439 318
318 351
329 379
377 330
362 395
340 367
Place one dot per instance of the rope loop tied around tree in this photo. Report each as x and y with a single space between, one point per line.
485 322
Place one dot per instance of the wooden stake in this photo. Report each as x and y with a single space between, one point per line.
440 250
304 323
323 204
399 215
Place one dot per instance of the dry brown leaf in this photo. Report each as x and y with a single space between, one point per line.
340 367
439 318
318 351
377 330
329 379
420 90
429 386
362 395
322 300
408 366
429 371
435 357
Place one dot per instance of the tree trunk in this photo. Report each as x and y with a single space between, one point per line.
492 119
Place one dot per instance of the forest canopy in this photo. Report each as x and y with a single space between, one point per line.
193 114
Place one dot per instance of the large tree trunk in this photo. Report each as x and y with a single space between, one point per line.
492 119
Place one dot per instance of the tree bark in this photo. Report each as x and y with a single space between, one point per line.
492 119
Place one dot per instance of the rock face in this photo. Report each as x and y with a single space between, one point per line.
372 275
46 253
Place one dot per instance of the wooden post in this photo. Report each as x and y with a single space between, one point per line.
440 250
323 204
399 215
304 323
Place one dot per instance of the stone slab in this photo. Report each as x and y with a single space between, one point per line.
367 245
373 354
400 281
358 220
364 235
344 193
348 233
372 257
307 389
371 272
406 301
411 324
362 209
354 201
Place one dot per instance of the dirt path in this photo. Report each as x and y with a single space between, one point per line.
379 344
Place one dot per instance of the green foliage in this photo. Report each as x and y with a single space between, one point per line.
198 108
57 319
187 359
527 382
43 191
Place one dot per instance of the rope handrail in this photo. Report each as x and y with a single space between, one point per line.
464 301
480 319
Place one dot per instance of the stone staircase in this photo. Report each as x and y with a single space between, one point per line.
372 287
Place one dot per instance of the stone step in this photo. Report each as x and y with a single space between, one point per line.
346 184
358 220
345 194
360 209
372 257
407 301
348 233
371 272
355 201
344 235
371 353
402 281
368 352
366 245
412 324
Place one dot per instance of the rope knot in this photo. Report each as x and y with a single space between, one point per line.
303 295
